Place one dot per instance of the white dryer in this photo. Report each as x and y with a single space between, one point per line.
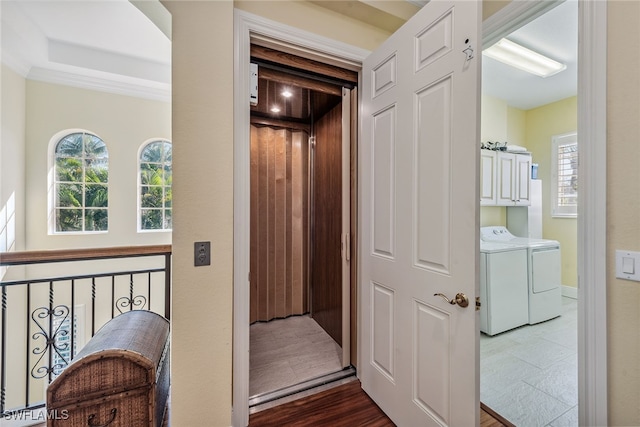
503 287
543 271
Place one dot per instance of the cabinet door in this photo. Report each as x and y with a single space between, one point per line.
506 174
522 193
488 175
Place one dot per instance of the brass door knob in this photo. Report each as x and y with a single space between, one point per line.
460 299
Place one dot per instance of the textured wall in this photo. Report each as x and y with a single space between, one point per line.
203 199
541 124
623 208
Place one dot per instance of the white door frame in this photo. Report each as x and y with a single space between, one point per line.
248 27
592 337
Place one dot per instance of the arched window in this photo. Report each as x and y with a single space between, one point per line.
155 186
81 183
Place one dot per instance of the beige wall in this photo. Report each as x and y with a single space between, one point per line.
12 155
203 199
124 123
542 124
623 208
317 20
12 185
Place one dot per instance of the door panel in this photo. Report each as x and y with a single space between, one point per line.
432 380
326 284
382 182
419 173
431 178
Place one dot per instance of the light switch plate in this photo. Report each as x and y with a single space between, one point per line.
628 265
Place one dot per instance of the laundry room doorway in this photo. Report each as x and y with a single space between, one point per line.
529 370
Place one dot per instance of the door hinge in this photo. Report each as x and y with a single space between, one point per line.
478 303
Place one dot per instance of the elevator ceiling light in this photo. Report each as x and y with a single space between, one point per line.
287 93
524 59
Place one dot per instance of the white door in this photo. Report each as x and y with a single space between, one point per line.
419 180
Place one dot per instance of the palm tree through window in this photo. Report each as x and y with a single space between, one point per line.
81 183
155 186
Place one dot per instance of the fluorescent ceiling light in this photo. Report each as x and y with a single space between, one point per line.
524 59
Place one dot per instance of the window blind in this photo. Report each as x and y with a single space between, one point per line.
564 175
567 175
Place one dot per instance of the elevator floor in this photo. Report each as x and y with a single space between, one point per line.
289 351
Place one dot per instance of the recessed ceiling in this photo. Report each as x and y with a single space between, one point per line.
107 44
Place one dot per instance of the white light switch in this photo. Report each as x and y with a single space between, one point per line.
628 265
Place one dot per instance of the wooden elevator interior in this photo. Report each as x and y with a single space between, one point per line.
296 192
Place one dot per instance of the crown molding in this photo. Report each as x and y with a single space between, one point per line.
138 89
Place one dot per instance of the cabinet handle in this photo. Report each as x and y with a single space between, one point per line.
92 416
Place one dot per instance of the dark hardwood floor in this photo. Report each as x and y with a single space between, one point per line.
346 405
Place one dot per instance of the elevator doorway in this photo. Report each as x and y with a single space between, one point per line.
302 187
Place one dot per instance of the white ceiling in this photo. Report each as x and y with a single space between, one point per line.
111 45
554 34
100 44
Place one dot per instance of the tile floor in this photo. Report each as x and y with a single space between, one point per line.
529 375
289 351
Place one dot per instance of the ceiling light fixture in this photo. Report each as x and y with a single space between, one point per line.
287 93
524 59
275 109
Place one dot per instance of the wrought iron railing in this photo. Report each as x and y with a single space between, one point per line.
53 301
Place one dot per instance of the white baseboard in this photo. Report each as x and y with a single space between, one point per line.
570 292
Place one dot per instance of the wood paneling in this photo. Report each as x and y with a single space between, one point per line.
303 63
290 80
307 97
326 282
278 226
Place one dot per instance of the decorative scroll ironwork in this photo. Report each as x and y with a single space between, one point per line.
131 301
48 334
138 302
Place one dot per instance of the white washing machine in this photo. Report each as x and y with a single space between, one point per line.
543 271
503 287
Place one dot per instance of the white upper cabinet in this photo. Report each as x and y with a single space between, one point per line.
505 179
522 184
488 174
